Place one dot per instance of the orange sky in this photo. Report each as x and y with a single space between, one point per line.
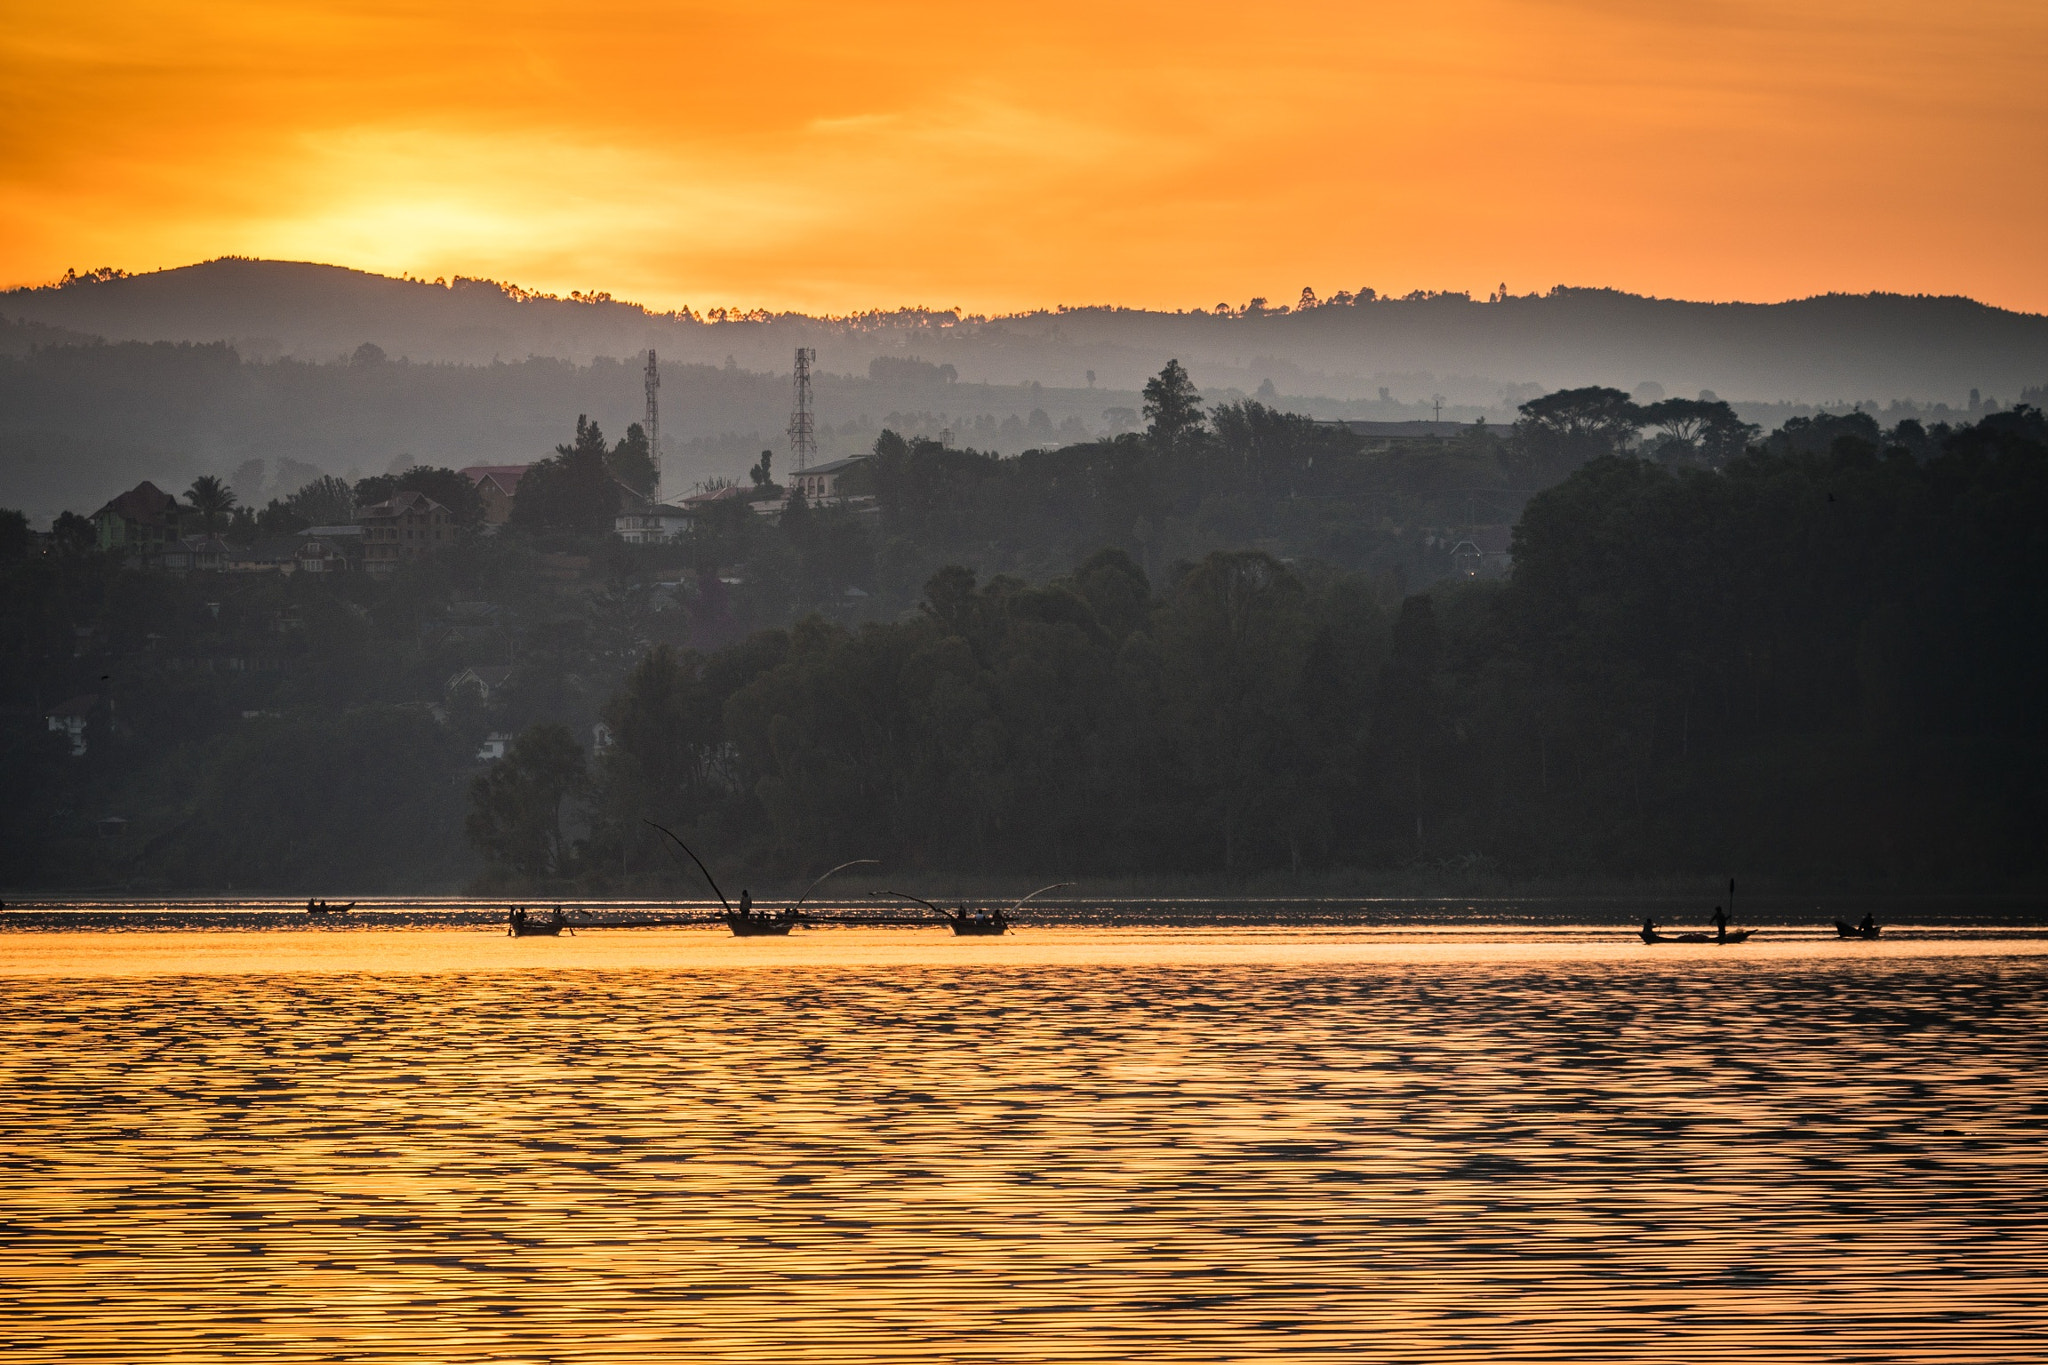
833 157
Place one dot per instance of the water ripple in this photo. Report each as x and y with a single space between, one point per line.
1563 1159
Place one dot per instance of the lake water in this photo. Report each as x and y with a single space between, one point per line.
1175 1142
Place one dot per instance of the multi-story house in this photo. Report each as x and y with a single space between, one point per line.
330 549
642 521
143 521
406 526
820 484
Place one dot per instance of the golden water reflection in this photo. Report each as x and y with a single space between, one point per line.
1070 1145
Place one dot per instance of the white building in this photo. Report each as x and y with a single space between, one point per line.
641 522
820 483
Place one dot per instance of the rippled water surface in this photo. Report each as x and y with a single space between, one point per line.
1070 1144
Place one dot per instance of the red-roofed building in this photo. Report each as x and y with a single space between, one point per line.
497 485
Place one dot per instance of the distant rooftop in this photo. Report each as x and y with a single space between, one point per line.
831 467
1416 430
506 475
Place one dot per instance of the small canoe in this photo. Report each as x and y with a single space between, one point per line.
979 928
1737 936
1857 931
759 926
535 928
520 924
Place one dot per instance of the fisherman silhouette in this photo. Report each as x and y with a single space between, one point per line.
746 903
1649 926
1720 923
1869 924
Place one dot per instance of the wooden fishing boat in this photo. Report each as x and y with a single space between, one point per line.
1734 936
746 922
975 924
968 926
759 926
536 929
323 908
1856 930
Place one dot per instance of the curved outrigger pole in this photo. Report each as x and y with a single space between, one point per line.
841 868
700 866
1041 891
935 909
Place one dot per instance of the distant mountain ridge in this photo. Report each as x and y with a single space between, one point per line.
1480 354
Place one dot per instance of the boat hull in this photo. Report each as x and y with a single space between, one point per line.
1851 931
986 928
759 928
1739 936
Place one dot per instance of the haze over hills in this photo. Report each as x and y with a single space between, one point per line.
330 370
1831 349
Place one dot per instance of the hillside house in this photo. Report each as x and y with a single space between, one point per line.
642 521
407 526
820 483
1483 552
272 554
330 549
497 485
194 554
142 521
485 680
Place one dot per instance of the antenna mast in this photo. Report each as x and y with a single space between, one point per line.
803 443
654 420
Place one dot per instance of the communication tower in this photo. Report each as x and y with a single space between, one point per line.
803 441
654 420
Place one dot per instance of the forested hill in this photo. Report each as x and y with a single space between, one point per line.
1349 346
1820 664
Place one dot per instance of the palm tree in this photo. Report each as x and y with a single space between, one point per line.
212 500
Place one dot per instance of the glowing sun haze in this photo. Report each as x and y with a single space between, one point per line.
832 157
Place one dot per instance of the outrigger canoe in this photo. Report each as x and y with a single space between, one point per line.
1856 930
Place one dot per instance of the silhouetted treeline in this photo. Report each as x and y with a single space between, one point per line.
1807 662
1820 657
